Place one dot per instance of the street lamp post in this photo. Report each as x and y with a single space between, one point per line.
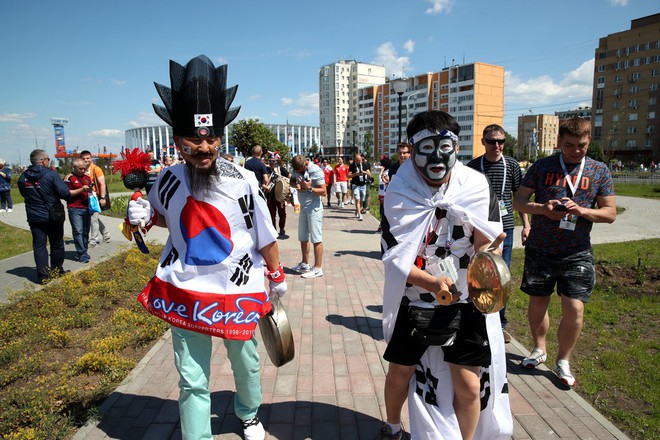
399 85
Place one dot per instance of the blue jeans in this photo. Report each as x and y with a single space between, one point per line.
80 220
5 200
43 233
507 248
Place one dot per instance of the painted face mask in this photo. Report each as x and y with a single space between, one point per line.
435 153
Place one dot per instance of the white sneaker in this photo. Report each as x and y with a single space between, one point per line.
563 372
535 358
301 268
253 429
9 210
314 273
341 205
3 210
360 217
106 238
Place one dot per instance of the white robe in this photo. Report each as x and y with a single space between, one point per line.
409 209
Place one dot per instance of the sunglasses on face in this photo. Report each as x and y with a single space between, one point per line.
494 141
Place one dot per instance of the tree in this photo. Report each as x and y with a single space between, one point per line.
245 134
367 145
510 145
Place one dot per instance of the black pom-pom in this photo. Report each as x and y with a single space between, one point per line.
135 180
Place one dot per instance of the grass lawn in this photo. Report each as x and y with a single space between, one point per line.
616 358
65 348
15 241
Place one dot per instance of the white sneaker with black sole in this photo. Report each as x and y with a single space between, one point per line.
314 273
253 429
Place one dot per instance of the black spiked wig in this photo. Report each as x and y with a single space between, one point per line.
198 104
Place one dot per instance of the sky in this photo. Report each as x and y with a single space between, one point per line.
95 62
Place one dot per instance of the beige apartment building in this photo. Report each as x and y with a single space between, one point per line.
537 135
625 112
472 93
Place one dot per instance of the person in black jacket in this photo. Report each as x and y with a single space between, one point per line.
42 188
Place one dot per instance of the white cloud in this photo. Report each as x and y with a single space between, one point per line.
16 117
306 104
118 82
439 6
575 85
387 56
285 102
409 46
619 2
145 119
107 133
254 97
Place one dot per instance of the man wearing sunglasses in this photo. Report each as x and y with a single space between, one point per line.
42 188
438 214
504 176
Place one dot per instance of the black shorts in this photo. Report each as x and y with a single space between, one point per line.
470 348
575 275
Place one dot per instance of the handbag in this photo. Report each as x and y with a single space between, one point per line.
437 325
107 202
55 211
94 205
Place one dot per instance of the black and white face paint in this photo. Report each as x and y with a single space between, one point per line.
435 153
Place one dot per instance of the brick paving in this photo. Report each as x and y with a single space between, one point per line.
333 389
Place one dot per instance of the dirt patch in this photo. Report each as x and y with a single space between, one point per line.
630 281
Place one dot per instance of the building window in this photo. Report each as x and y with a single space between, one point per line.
632 117
601 68
650 115
637 75
652 101
617 79
634 89
632 130
654 72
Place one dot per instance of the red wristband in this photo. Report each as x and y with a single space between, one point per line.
277 275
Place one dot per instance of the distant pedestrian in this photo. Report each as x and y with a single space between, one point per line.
571 192
257 166
504 176
80 186
341 182
329 175
402 155
358 172
309 181
98 232
276 207
6 204
154 170
42 189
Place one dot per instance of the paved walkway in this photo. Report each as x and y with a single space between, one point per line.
334 386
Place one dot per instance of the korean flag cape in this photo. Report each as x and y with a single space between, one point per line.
409 209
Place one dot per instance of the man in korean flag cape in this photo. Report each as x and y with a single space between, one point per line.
436 206
210 279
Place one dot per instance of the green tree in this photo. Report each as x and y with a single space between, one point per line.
367 146
245 134
510 145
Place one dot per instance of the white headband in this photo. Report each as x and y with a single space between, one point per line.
426 133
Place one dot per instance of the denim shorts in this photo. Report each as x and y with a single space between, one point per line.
359 192
310 225
574 275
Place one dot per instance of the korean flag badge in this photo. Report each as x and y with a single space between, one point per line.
204 120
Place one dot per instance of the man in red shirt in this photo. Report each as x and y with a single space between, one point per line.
80 184
341 182
329 175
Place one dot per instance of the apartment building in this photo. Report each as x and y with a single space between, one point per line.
339 85
537 135
580 112
472 93
625 99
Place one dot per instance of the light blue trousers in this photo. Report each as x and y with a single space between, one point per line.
192 357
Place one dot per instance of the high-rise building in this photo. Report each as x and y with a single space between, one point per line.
471 93
537 135
625 99
339 84
580 112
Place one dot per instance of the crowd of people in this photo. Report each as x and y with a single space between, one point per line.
446 358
